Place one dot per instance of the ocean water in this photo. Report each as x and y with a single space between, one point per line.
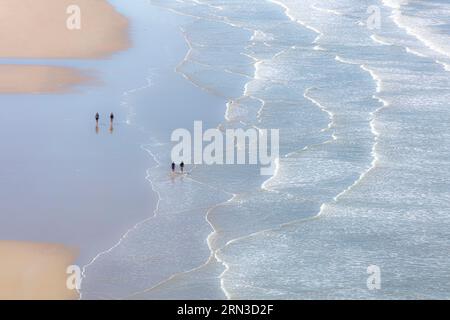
363 174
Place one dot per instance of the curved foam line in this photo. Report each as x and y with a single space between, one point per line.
323 109
246 93
275 174
131 113
376 134
208 4
374 76
376 38
395 4
216 251
208 261
136 226
332 11
414 52
372 123
291 16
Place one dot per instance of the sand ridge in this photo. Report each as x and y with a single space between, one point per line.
35 271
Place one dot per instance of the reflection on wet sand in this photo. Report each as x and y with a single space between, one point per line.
38 78
38 29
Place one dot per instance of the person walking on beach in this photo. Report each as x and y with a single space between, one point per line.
173 166
182 166
97 117
111 127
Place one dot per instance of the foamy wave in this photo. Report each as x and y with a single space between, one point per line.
205 3
342 60
319 48
332 11
287 10
372 73
291 16
375 77
259 35
265 184
414 52
445 65
380 40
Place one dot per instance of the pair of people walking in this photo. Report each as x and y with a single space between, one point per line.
97 117
111 118
174 166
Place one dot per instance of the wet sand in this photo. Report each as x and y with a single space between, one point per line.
46 29
35 271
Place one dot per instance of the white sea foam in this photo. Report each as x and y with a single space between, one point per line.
287 10
291 16
418 28
372 73
265 184
342 60
380 40
259 35
206 3
375 77
131 113
319 48
332 11
323 108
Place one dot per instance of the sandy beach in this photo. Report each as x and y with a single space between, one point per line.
45 29
35 271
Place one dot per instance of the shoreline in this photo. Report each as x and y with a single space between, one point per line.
162 271
102 32
38 79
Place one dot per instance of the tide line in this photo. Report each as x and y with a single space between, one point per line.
135 227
